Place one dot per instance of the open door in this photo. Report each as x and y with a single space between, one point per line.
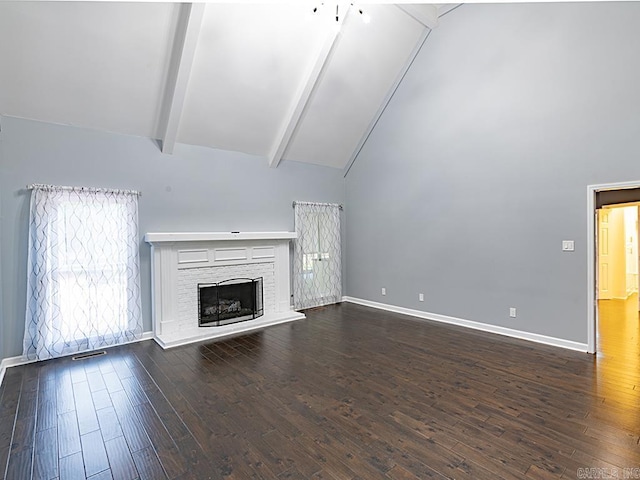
617 271
603 279
638 251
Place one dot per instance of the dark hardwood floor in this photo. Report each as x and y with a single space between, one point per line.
348 393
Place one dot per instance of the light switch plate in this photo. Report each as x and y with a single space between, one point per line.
568 246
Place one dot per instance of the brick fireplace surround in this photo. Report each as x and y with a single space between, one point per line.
182 260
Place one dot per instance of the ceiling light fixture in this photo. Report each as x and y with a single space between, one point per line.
366 18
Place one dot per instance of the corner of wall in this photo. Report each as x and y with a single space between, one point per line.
2 289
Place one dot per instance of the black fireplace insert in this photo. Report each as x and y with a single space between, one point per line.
230 301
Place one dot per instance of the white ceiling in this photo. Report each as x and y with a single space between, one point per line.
273 80
244 73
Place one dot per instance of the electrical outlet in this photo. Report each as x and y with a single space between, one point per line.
421 297
512 312
384 291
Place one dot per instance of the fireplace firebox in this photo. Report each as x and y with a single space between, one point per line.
230 301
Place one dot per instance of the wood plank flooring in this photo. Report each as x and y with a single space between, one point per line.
348 393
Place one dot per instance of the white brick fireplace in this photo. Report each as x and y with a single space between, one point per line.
179 261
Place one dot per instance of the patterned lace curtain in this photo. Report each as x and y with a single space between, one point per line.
83 278
317 271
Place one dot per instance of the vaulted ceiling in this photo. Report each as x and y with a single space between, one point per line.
269 79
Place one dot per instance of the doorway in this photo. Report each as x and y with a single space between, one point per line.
617 279
612 256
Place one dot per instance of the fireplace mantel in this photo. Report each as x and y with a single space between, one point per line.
181 260
154 238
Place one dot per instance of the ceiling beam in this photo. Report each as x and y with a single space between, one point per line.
427 15
309 82
387 98
448 8
183 52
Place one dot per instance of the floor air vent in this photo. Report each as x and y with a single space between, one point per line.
82 356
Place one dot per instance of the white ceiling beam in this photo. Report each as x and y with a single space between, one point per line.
309 82
405 68
427 15
449 7
184 48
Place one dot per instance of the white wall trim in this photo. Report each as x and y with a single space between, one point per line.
11 362
145 336
485 327
592 307
21 360
154 237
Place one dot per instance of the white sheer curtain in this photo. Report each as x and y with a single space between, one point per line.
83 278
317 271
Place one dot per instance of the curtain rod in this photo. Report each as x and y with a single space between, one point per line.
51 188
339 205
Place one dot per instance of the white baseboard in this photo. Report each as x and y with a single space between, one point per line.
145 336
12 362
485 327
21 360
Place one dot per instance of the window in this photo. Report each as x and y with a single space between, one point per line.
317 266
83 271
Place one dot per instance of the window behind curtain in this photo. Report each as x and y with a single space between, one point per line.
317 271
83 271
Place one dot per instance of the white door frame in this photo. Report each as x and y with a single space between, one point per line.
592 307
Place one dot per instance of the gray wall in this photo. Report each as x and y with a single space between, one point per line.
478 168
196 189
